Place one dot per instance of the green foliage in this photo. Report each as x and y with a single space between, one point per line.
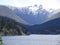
1 39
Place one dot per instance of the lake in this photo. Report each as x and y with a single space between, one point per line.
32 40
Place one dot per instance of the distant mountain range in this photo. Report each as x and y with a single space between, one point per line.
38 24
31 17
51 26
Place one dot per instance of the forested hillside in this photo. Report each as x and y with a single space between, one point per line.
9 27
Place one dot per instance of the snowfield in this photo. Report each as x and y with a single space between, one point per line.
32 40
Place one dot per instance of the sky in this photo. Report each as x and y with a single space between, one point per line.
47 4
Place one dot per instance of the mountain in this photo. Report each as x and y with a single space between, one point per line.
51 26
46 25
36 17
42 23
10 23
6 11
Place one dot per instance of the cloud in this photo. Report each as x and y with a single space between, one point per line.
46 3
